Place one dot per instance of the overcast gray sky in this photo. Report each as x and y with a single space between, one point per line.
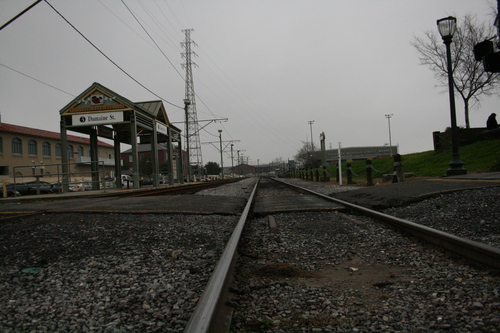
269 66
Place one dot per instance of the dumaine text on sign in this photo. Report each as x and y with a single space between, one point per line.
97 119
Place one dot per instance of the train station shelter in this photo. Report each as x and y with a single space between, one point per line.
101 112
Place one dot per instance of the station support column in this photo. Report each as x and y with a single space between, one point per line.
94 158
154 156
180 169
64 156
118 161
170 158
135 153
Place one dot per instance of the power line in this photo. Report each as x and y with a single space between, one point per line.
152 39
12 69
20 14
114 63
125 23
161 29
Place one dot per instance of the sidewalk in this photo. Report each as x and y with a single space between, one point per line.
478 176
401 194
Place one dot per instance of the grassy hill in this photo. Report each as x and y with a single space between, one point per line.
482 156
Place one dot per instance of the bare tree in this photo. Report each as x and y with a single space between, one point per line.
307 156
470 79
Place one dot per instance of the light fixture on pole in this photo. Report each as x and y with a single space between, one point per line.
447 27
388 116
187 102
221 160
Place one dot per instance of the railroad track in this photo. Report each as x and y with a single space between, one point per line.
212 313
215 307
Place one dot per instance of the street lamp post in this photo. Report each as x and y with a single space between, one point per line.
221 160
447 27
187 102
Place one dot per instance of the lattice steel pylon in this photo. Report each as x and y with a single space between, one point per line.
193 137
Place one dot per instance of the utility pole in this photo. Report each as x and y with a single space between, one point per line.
311 122
192 133
232 161
220 148
221 159
388 116
239 160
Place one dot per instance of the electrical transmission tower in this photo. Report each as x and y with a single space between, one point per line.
193 135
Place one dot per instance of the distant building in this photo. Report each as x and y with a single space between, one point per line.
26 151
243 170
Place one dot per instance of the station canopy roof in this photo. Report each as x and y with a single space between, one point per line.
98 100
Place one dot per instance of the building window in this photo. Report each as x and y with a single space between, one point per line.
58 150
17 146
80 151
1 145
32 148
90 153
46 149
70 152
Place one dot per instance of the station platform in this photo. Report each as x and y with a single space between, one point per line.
107 202
68 195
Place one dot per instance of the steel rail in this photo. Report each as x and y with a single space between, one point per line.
470 249
204 313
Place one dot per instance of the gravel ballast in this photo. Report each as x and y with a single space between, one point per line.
106 273
328 272
323 271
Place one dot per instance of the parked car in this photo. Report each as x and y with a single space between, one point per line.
164 179
109 182
34 187
56 187
126 179
77 186
87 185
147 181
29 188
11 192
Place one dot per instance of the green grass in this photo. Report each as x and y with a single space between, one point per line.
481 156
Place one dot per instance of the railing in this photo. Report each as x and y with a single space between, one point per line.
88 160
78 175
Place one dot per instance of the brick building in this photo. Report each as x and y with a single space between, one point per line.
25 151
